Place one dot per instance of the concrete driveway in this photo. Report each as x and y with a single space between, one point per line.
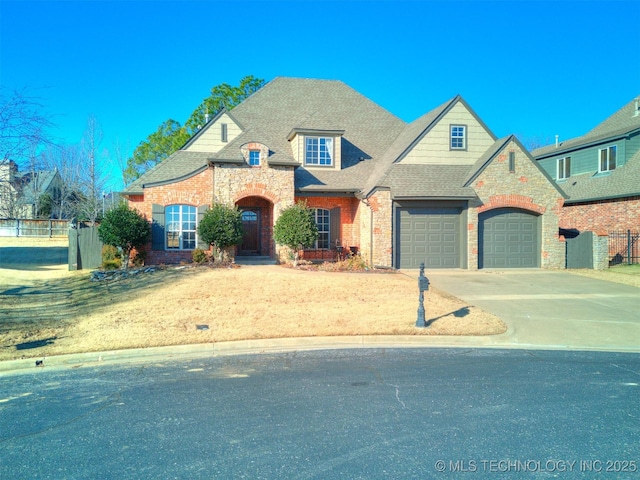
552 308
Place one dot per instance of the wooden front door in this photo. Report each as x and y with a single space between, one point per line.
251 226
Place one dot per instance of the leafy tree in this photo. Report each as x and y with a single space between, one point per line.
296 229
125 228
171 135
223 96
221 226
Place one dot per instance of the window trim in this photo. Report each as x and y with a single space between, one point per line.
457 137
608 150
327 216
331 151
249 159
181 221
563 168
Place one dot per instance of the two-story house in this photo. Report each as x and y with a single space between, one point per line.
440 190
600 173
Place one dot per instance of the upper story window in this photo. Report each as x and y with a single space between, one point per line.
607 159
180 227
318 151
564 168
223 133
254 157
458 137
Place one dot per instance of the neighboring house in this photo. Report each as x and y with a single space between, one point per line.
600 173
21 192
440 190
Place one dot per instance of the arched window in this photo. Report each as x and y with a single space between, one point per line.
180 227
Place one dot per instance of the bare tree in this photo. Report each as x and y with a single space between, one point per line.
119 156
92 182
23 125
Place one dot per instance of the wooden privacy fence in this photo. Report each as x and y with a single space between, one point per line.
624 247
33 228
85 248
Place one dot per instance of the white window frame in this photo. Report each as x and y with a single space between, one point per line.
604 156
322 217
457 135
319 151
252 161
180 227
563 168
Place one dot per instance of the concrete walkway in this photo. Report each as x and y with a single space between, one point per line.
545 310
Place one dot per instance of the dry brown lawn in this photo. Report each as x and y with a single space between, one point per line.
58 312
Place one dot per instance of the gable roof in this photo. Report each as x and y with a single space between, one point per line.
494 151
622 123
384 176
34 184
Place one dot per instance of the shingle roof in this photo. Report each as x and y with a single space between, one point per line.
622 182
427 181
619 124
284 104
180 164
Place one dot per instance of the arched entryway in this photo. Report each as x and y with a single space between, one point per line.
257 223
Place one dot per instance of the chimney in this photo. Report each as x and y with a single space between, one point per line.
557 137
636 111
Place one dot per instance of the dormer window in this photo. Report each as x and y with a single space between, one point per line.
254 158
318 151
607 159
564 168
458 136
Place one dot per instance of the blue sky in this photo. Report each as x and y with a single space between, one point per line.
532 68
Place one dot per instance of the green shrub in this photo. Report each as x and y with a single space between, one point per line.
296 229
111 257
200 256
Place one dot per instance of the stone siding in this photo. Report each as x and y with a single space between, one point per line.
381 207
525 188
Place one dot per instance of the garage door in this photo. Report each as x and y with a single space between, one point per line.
508 238
429 235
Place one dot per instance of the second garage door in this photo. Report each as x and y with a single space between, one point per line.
508 238
429 235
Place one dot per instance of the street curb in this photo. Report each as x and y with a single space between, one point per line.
281 345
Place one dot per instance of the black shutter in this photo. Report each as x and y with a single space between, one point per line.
201 211
334 227
157 227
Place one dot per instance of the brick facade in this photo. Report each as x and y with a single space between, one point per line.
607 215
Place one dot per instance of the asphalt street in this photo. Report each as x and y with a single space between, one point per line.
343 414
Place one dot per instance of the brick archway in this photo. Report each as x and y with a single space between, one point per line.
514 201
256 190
259 226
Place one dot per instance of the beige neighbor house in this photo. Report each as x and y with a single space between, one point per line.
440 190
